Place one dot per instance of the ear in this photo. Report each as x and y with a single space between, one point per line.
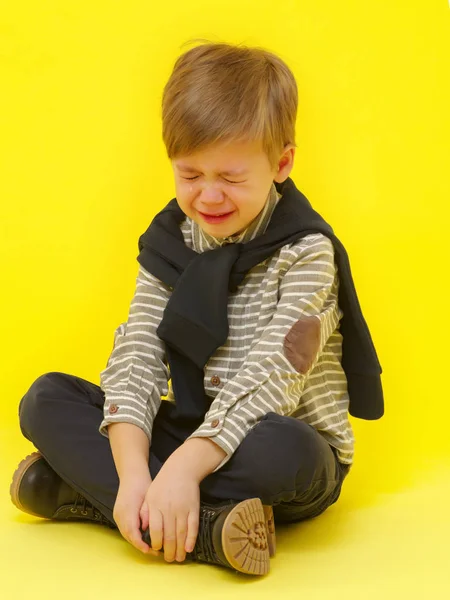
285 164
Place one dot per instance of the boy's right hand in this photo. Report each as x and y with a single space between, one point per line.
127 510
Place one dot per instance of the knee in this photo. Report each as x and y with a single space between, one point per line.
32 407
285 454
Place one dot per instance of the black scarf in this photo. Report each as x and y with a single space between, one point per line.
195 320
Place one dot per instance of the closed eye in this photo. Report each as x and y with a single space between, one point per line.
196 177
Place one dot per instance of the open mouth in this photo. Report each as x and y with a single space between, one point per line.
216 218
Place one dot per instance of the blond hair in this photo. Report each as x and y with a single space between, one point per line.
218 92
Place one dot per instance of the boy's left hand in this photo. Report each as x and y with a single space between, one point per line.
173 502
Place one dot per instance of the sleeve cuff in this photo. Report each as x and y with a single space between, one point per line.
124 418
227 434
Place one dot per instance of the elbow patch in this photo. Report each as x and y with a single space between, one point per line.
302 343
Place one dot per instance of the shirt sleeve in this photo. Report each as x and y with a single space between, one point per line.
136 374
273 375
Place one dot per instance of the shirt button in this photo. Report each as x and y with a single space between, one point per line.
113 409
215 423
215 380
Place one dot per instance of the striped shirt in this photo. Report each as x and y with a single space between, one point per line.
251 374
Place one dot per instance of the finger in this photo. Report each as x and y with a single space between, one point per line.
135 540
145 529
181 538
135 536
192 530
156 529
170 537
144 515
122 527
145 535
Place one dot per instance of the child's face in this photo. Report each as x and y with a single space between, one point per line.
230 178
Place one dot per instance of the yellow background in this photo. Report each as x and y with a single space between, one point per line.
82 172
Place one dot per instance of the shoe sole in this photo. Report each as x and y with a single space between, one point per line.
245 540
17 480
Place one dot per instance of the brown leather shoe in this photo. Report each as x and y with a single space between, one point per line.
37 490
234 536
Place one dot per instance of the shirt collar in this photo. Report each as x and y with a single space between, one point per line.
202 241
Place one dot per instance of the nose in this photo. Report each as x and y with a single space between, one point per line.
211 194
211 197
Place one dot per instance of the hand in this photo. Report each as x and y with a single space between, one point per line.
173 502
129 510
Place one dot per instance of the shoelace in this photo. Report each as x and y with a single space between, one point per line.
204 548
81 502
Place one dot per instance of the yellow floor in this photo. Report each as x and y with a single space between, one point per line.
381 545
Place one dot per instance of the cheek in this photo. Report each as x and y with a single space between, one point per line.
184 190
189 190
243 200
186 195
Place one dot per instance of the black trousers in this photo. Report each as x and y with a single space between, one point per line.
282 460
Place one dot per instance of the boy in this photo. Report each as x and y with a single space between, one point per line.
236 304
